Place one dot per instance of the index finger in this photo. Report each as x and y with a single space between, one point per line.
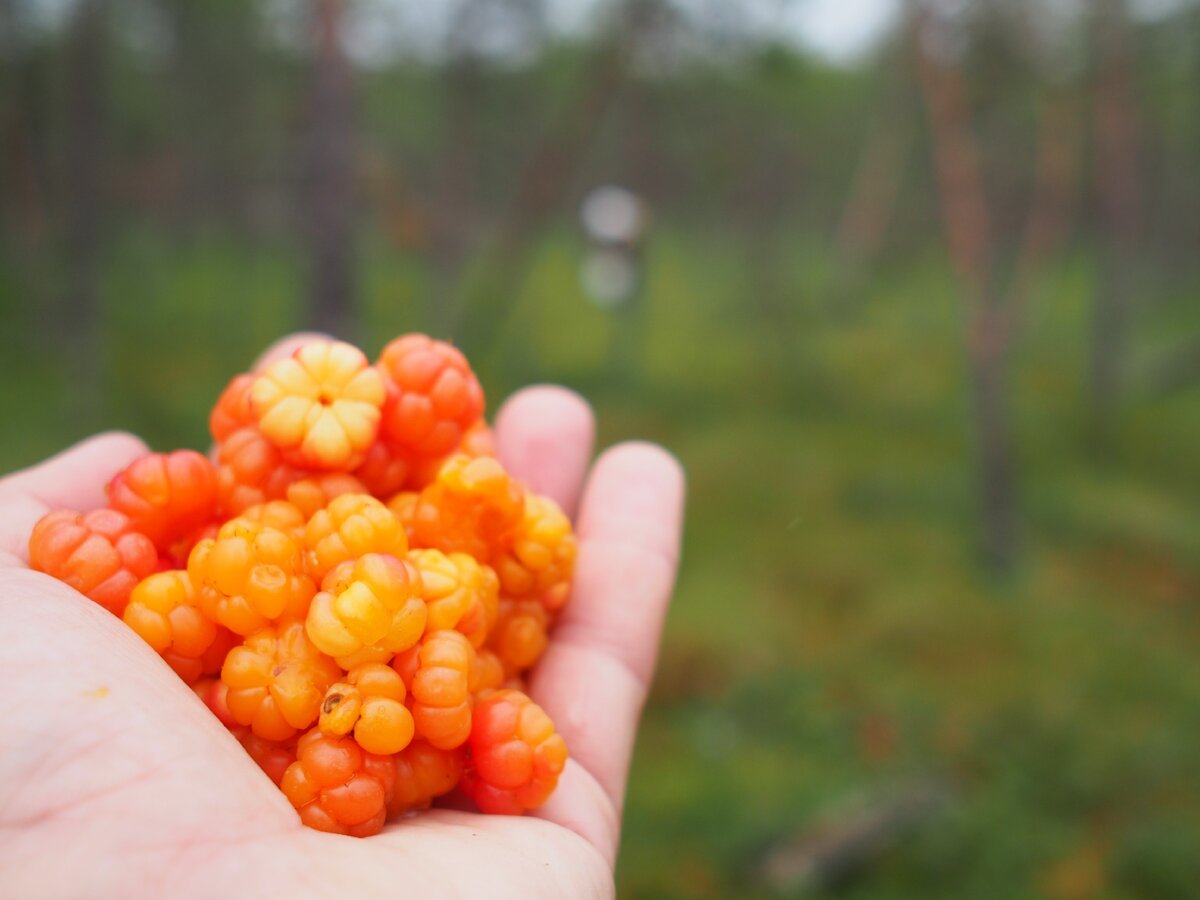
596 671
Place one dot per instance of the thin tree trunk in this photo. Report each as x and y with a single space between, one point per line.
967 221
993 434
451 216
871 204
86 69
329 176
1117 187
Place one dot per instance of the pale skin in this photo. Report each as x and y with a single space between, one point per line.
116 781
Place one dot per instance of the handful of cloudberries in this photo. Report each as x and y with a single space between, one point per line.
353 584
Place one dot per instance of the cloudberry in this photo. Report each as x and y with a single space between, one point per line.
403 506
370 702
337 787
438 674
232 410
477 441
273 757
162 610
424 772
519 638
100 554
277 680
214 694
487 672
320 405
472 507
432 395
384 470
452 585
480 617
537 561
251 574
516 755
214 657
278 514
368 609
250 470
315 491
166 495
349 527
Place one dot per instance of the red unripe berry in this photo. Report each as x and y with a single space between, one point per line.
516 755
337 787
433 397
100 554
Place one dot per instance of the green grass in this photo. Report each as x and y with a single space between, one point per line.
832 636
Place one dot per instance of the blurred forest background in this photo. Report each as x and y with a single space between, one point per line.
912 289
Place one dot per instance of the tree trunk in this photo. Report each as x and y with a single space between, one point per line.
85 175
452 215
329 176
993 435
966 218
1117 188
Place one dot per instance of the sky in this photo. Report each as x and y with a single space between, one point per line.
840 31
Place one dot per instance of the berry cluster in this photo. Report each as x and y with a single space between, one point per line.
353 584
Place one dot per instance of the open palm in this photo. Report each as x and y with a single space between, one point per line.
116 781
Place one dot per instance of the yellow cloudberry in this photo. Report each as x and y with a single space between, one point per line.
368 609
369 702
320 406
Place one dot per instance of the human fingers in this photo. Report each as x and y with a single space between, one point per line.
544 437
595 674
72 479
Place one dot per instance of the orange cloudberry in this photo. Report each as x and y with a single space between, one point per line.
477 441
314 492
337 787
250 575
424 772
162 610
277 680
250 470
539 558
273 757
384 470
100 554
472 507
351 526
487 672
281 515
320 406
437 672
520 635
369 702
433 397
516 755
232 410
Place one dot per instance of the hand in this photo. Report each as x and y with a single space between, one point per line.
116 781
